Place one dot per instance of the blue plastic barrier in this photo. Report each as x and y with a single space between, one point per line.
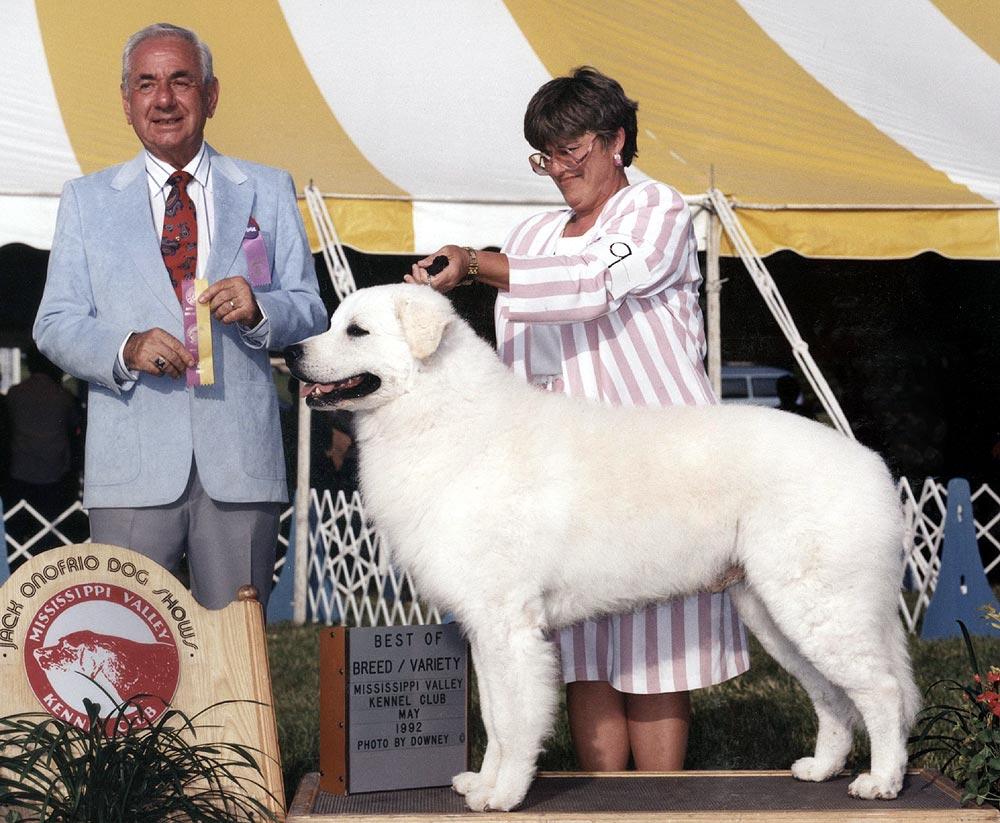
281 605
962 588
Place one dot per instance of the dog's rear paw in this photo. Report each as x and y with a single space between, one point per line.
868 787
468 783
814 770
492 800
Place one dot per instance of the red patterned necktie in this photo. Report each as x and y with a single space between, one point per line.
179 242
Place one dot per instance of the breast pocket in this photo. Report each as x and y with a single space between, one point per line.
258 257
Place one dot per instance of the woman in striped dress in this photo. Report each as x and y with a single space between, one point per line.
601 300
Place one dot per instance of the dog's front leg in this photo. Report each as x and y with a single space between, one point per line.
481 782
520 670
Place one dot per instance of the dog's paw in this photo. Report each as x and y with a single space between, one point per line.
468 783
869 787
814 770
492 800
478 800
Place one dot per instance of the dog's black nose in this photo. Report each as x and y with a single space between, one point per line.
293 354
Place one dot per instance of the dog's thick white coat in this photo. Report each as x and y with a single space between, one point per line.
520 511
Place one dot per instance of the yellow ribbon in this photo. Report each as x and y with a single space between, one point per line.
203 314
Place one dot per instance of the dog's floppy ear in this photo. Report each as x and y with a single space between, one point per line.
423 324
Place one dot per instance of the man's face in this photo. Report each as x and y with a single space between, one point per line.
165 100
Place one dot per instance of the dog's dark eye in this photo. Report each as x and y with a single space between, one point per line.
354 330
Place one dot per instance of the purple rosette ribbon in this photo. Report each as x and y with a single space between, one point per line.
258 271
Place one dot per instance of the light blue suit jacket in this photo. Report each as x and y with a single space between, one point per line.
106 278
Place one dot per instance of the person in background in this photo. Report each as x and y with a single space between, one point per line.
183 454
600 300
44 423
789 392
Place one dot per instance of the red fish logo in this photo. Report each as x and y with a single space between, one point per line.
105 643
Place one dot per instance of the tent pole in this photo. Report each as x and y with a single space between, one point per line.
772 298
301 513
713 288
342 279
337 267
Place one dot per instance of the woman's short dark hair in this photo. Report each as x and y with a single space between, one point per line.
586 100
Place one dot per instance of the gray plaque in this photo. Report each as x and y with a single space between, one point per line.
406 707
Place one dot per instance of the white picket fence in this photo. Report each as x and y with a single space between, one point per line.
38 529
351 581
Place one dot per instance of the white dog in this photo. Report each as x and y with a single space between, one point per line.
521 511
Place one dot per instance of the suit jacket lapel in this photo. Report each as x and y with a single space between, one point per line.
233 193
138 234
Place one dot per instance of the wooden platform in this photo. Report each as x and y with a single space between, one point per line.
682 796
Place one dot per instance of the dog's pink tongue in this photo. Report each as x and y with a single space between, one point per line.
308 388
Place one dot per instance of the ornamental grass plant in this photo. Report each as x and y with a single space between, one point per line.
122 770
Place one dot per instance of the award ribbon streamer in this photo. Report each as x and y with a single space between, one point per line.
198 316
205 365
198 333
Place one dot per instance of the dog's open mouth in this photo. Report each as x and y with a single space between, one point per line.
323 395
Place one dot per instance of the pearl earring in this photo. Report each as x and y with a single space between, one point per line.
618 161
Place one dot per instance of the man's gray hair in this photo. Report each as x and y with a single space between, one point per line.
167 30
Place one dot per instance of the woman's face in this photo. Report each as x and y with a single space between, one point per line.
584 170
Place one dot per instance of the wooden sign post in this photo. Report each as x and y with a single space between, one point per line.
131 628
393 708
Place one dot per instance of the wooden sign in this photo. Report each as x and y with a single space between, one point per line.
393 708
130 628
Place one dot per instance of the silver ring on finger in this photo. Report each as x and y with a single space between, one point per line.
160 363
232 305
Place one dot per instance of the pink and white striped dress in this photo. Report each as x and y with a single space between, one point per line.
617 319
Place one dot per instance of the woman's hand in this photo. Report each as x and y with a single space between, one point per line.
426 272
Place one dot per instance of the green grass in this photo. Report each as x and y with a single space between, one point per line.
761 720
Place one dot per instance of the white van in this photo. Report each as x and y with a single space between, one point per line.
751 385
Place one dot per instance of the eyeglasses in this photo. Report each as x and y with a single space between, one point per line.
543 163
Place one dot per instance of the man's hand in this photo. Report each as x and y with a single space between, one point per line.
157 352
232 301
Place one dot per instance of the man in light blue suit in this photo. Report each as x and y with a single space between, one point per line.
184 452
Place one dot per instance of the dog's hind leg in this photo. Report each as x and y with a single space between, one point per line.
520 670
888 733
835 712
882 687
859 649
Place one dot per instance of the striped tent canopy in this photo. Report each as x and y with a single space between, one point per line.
835 129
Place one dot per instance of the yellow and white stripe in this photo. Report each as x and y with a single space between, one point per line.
867 130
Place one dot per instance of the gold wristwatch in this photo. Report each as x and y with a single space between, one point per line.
473 271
